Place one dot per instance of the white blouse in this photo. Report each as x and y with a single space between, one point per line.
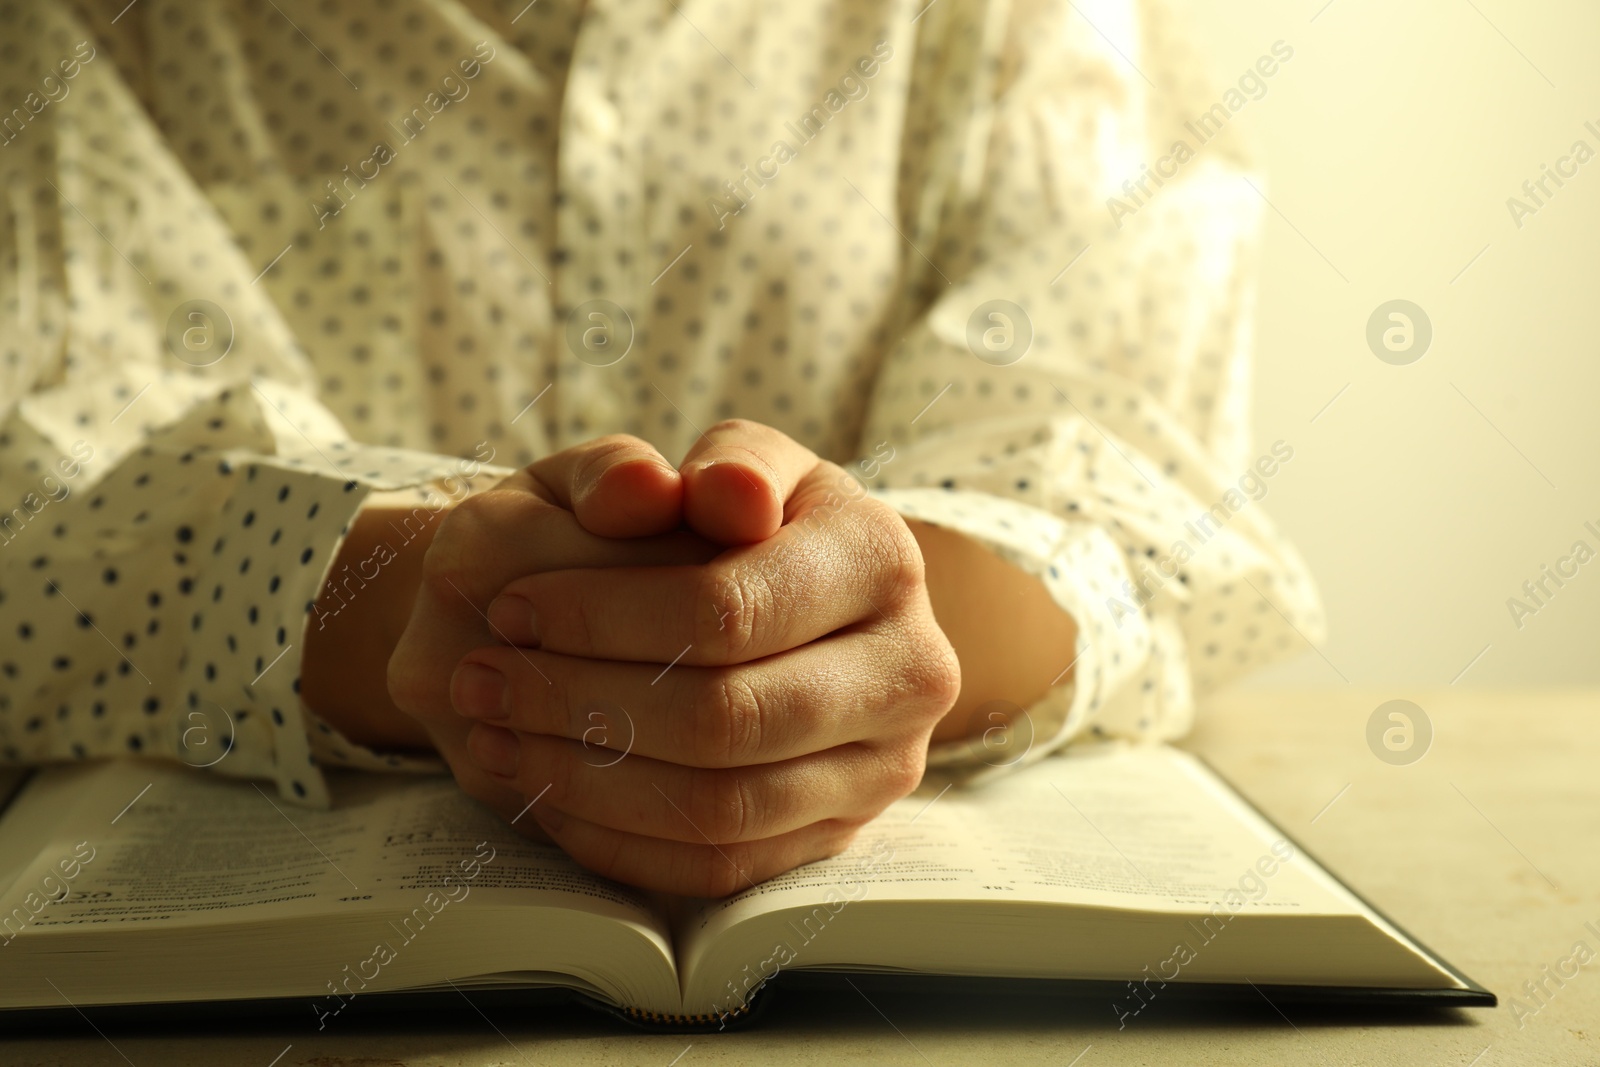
259 260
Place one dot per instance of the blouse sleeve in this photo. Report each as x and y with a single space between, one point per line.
1074 393
171 493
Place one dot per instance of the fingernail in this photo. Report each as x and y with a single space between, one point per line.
512 619
738 473
494 749
479 692
660 466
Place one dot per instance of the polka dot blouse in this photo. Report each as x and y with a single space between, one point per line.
261 260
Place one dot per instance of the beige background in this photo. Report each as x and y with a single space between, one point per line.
1391 142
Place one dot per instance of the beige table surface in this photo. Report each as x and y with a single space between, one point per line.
1486 849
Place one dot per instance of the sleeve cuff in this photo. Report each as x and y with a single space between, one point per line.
287 515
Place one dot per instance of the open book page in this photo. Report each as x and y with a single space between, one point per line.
191 846
157 851
1125 829
1113 826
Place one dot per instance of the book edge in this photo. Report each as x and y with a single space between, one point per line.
1471 984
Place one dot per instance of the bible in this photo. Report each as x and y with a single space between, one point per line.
1133 872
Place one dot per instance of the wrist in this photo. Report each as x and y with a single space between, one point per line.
358 617
1013 641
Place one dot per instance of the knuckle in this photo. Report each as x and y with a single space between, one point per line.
570 612
481 509
935 673
594 724
444 565
733 427
901 572
448 564
927 674
723 806
725 616
556 763
729 727
525 704
605 854
903 767
711 875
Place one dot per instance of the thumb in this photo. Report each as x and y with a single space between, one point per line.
617 486
737 480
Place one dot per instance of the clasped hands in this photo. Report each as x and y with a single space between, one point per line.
692 678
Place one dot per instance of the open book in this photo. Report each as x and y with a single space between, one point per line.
138 883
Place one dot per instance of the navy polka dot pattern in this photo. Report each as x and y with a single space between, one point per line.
259 261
